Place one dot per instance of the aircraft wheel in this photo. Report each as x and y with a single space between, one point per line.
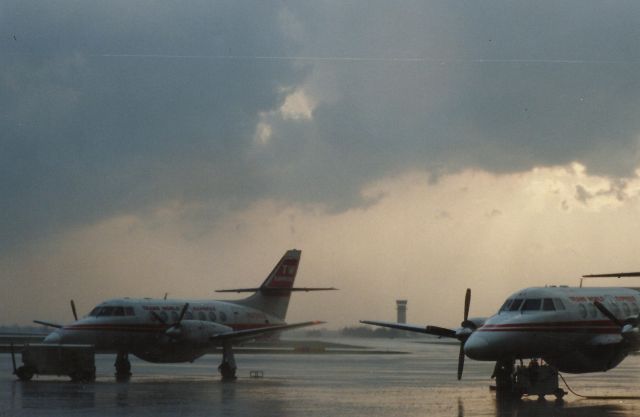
559 394
25 373
123 367
227 371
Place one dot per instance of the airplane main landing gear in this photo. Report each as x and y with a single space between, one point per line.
503 373
123 367
228 366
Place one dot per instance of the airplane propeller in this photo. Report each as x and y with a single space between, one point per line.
608 314
73 310
463 333
174 330
628 328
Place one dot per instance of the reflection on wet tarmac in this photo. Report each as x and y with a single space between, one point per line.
420 384
551 408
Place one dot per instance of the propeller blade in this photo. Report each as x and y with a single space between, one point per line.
182 313
608 314
460 361
467 303
73 309
468 327
440 331
157 316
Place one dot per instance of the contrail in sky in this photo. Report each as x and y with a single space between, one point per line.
369 59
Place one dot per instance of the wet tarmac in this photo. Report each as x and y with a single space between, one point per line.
419 384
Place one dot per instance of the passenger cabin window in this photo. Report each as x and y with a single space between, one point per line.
164 316
223 316
532 304
212 316
559 304
615 309
583 311
106 311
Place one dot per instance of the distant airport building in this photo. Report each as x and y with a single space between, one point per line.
402 311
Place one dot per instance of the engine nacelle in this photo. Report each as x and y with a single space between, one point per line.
196 332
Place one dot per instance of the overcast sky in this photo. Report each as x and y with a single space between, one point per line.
410 148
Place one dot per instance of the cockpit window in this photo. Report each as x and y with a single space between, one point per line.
547 305
515 306
118 311
532 304
95 312
105 311
505 306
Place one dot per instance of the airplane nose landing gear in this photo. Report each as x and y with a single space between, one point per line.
123 367
503 373
228 366
533 379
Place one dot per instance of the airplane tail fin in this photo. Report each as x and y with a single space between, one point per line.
274 294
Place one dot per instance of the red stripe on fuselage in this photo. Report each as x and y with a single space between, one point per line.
582 323
150 328
580 326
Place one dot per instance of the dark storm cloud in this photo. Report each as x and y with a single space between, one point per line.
119 106
86 134
444 86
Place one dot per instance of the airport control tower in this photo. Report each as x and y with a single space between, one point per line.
402 311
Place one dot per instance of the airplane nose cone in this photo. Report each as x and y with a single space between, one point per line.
477 347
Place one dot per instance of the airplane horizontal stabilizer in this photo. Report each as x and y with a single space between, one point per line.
252 333
277 290
613 275
433 330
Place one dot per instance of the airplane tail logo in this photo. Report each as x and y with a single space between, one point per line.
284 273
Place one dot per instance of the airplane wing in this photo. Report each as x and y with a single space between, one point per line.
433 330
240 335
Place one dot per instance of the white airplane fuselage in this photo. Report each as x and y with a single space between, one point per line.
564 328
170 331
131 325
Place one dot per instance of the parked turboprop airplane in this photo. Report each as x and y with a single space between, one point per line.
573 329
170 331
